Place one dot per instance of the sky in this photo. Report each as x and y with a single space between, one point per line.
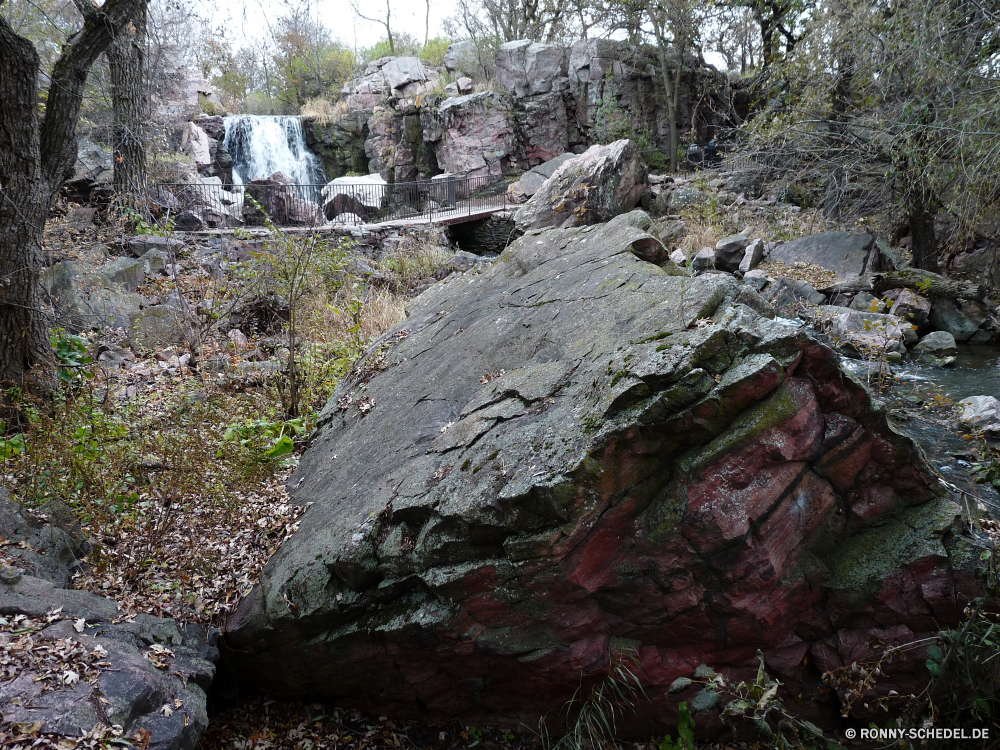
247 19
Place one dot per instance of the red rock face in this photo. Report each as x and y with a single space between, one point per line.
487 557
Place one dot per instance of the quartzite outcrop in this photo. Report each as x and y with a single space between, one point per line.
576 457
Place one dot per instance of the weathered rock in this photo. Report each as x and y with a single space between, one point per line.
159 327
938 343
130 690
864 302
195 143
475 135
980 411
752 256
550 460
601 183
729 252
43 550
945 316
84 300
683 197
402 72
757 279
143 243
703 260
526 67
531 181
791 291
911 307
128 273
668 231
846 253
868 333
679 257
461 57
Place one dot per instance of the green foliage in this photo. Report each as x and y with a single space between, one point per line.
72 354
435 50
403 45
280 433
685 731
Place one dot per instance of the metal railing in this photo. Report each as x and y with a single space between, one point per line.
448 199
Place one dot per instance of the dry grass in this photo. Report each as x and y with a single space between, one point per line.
323 110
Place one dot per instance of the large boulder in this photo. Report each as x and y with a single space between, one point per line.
848 254
82 299
601 183
531 181
575 459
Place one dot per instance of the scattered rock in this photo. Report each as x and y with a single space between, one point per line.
945 316
729 252
980 412
159 327
752 256
910 307
704 260
938 343
128 273
142 244
864 302
79 669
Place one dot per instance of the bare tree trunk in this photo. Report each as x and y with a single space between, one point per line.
129 98
24 201
35 156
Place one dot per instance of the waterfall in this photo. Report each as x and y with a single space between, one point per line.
262 145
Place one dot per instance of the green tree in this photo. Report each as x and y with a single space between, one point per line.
902 96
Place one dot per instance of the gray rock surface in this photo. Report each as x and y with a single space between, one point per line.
752 256
980 412
729 252
575 448
911 307
945 316
601 183
127 273
122 685
143 243
83 299
159 327
845 253
531 181
938 343
703 260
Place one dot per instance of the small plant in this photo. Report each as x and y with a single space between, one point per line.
685 731
73 355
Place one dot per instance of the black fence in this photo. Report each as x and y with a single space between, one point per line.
448 199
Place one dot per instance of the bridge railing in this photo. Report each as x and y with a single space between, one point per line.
347 202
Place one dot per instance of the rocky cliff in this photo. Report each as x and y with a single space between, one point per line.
546 100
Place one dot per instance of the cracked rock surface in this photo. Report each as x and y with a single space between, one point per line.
69 666
577 457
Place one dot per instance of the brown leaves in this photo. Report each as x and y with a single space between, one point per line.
55 663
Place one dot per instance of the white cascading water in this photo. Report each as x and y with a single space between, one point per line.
262 145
